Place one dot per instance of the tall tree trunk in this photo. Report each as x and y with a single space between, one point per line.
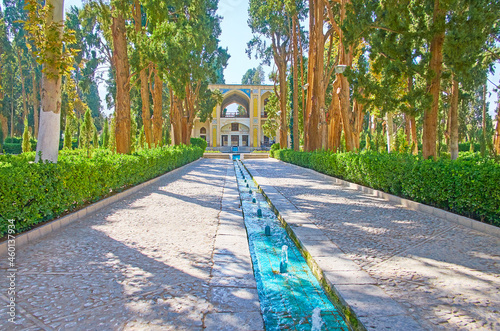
47 147
483 124
12 112
454 120
358 112
120 61
390 131
185 133
36 104
283 102
5 127
429 138
23 88
407 129
175 118
296 138
412 129
335 125
157 108
312 134
345 58
497 131
347 115
414 138
146 113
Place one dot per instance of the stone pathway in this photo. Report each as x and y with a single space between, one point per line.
444 275
172 257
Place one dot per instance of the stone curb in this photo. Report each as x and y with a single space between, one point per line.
217 156
41 231
362 302
232 272
249 156
412 205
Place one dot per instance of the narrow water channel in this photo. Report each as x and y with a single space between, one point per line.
291 297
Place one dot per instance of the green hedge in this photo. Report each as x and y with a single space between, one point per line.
31 193
14 145
468 186
200 142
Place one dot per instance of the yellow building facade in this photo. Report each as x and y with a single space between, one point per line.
243 129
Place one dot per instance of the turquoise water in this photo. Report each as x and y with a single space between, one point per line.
287 299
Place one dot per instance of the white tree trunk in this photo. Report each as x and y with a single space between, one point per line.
47 148
48 136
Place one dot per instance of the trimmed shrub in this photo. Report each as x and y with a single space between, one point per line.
199 142
274 148
467 186
31 193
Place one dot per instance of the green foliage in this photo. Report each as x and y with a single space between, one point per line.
271 125
87 130
31 193
254 76
467 186
112 138
199 142
1 138
466 147
26 137
45 34
69 130
141 143
95 141
274 148
105 134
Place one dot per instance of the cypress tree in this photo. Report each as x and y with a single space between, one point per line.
105 134
112 137
26 137
68 134
87 132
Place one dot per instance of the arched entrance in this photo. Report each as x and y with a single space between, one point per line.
240 100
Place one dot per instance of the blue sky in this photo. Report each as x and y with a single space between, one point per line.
236 34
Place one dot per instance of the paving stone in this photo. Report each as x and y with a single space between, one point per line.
228 299
248 321
349 277
369 300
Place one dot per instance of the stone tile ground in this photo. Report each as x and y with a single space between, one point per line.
446 276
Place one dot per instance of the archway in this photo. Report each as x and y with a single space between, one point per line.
264 99
235 105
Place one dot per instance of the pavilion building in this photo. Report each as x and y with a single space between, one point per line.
242 129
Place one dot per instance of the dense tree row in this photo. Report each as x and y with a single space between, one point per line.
416 70
153 55
383 74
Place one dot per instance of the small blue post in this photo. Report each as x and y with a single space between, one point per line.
259 212
267 230
253 200
250 191
283 267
